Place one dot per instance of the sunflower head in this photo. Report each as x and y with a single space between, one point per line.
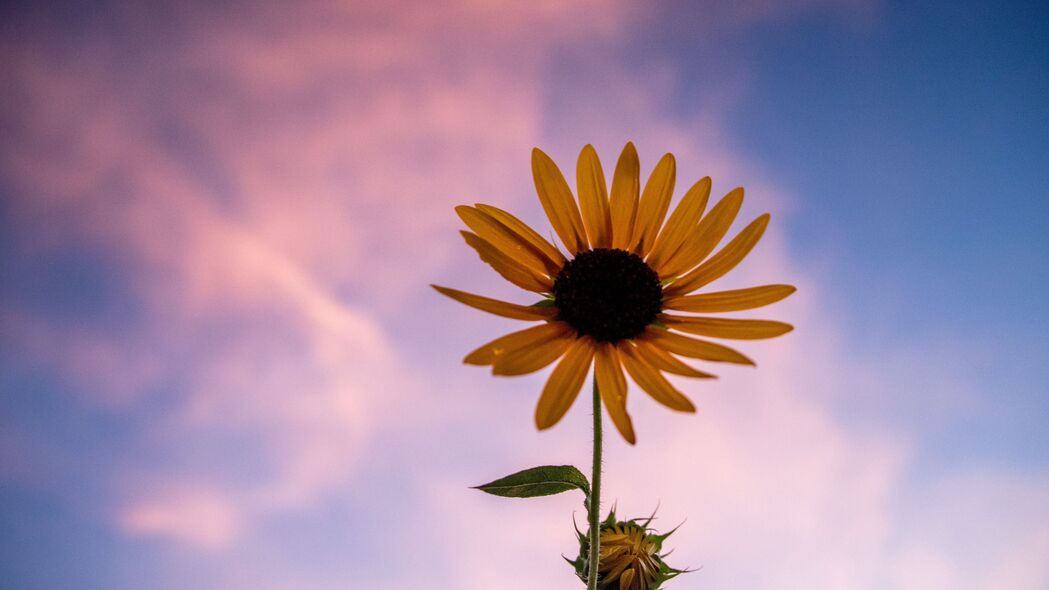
631 556
623 295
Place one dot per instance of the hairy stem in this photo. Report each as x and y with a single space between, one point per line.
594 504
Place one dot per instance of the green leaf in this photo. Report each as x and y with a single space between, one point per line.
538 481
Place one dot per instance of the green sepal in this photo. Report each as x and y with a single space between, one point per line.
548 302
580 535
658 539
538 481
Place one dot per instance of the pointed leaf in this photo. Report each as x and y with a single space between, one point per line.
538 481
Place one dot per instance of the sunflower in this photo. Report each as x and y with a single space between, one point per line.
615 300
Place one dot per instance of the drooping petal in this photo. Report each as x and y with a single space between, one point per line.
652 381
706 236
734 300
593 198
501 308
499 236
558 202
507 267
613 388
737 329
624 197
564 383
652 209
664 361
490 352
694 348
722 262
683 220
552 257
533 357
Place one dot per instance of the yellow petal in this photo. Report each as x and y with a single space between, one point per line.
664 361
564 383
612 385
722 262
652 382
507 310
727 327
510 269
626 579
624 197
532 357
489 353
552 257
682 221
734 300
499 236
706 236
558 202
655 201
694 348
593 198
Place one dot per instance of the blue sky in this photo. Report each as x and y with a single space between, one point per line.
224 369
923 140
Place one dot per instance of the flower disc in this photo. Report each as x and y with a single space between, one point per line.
608 294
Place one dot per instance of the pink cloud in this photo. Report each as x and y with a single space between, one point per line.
196 516
262 285
978 529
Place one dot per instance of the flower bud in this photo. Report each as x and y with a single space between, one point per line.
630 557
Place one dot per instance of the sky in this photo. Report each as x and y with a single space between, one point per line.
223 366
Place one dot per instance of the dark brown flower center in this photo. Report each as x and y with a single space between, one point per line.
608 294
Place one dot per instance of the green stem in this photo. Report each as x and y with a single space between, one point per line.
594 504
